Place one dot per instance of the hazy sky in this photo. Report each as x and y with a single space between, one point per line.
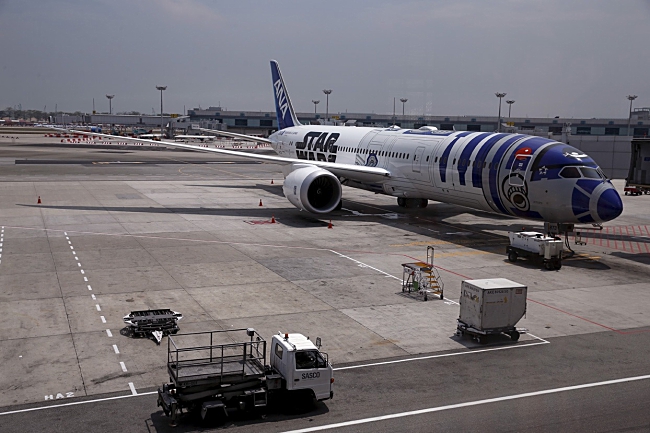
571 58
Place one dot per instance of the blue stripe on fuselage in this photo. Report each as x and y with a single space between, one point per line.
442 166
465 155
481 155
494 171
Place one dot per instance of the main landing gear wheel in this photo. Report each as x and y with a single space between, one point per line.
514 335
401 202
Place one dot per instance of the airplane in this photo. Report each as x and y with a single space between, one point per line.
517 175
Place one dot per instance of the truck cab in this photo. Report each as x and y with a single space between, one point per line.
303 366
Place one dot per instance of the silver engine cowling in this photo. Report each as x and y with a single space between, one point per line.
312 189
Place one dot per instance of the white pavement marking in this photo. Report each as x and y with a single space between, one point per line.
469 404
94 297
103 319
133 391
65 233
444 355
98 400
77 259
89 288
86 279
82 271
117 351
109 333
123 366
363 265
79 264
98 307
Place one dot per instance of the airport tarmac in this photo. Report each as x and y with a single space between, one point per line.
128 229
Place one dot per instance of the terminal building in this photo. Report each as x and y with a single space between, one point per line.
265 123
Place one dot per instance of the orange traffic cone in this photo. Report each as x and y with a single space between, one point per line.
329 226
272 219
39 200
260 203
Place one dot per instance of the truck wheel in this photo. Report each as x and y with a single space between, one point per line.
558 264
512 256
425 297
548 266
514 335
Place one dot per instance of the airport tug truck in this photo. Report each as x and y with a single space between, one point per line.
218 371
491 306
536 246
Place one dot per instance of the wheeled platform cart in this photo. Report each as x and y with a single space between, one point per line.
536 246
156 323
491 306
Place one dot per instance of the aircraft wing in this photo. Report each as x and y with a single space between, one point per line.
359 173
235 135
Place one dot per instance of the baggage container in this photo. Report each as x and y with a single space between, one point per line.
491 306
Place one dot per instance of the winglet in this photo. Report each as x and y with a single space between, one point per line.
283 108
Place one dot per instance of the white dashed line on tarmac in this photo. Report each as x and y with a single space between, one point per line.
98 307
93 296
86 280
89 288
82 271
117 351
123 366
109 333
103 319
132 387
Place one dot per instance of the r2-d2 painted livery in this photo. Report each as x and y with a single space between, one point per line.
512 174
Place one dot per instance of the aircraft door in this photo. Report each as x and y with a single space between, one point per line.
417 159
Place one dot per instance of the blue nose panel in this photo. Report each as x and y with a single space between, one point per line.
610 205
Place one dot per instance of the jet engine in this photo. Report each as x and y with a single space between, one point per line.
312 189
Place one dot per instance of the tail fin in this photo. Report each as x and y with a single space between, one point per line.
283 108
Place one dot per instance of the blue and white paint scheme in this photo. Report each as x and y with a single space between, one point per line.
509 174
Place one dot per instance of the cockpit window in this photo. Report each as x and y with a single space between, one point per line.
590 173
570 173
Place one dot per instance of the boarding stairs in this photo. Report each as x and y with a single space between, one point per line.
422 278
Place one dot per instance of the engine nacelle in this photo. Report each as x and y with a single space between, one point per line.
312 189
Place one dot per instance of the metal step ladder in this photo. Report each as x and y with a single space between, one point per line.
422 278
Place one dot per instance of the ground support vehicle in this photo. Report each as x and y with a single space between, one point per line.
638 178
491 306
219 371
537 247
155 323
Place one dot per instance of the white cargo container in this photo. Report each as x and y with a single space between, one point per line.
491 306
534 245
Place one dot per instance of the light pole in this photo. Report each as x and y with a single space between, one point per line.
500 96
315 101
161 88
110 105
629 117
510 102
403 101
327 93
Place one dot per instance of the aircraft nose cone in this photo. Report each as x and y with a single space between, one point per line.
610 205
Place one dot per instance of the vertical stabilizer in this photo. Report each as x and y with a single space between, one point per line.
283 108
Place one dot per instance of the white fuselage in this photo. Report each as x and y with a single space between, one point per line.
511 174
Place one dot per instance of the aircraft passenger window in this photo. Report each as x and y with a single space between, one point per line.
427 159
570 173
484 164
454 162
408 156
589 173
435 160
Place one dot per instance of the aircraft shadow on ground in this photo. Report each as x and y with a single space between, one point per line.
262 419
271 189
639 258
